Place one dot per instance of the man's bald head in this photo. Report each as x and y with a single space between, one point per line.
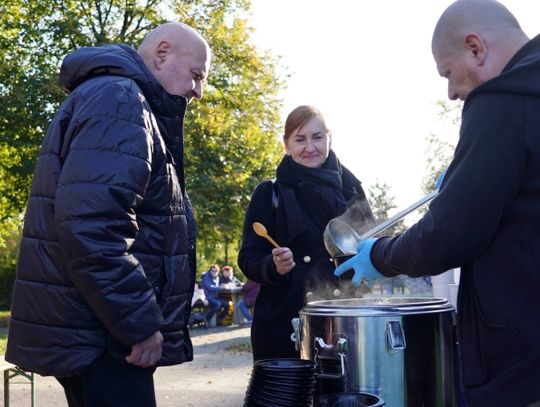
472 43
179 58
488 18
182 36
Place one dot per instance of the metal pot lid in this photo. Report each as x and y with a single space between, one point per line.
374 305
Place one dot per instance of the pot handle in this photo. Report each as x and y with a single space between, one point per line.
295 336
339 348
395 335
340 344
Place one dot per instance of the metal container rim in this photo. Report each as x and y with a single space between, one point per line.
377 306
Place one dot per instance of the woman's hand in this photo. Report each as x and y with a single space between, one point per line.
283 259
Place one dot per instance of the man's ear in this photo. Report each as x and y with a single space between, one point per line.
160 55
476 47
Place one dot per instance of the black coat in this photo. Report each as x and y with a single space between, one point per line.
486 219
304 208
107 255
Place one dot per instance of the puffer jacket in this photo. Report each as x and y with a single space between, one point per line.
107 255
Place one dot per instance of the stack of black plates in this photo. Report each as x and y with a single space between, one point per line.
281 382
328 377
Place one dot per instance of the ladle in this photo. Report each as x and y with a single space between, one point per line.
341 239
261 231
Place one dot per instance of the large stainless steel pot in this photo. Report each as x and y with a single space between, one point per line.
401 349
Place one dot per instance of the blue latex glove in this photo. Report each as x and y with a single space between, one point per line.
361 264
440 179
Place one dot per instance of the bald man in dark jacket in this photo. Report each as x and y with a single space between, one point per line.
107 260
486 218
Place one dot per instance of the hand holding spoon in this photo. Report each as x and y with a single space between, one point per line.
261 231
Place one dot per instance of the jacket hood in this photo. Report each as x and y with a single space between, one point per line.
119 60
519 76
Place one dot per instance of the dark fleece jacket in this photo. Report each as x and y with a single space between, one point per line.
486 219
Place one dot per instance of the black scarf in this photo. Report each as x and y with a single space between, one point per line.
321 192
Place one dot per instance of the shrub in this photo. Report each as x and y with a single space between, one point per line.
10 236
4 319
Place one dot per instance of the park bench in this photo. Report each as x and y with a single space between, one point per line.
10 372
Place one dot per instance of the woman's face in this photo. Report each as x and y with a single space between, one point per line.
309 145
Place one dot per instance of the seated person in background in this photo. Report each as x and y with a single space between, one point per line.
250 290
211 287
198 307
227 278
198 297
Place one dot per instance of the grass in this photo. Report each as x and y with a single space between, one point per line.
4 322
4 318
3 341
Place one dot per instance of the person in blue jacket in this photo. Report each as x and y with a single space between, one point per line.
486 218
211 286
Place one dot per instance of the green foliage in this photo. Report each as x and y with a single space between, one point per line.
4 318
34 37
3 343
231 142
4 322
450 112
439 153
382 202
24 85
10 235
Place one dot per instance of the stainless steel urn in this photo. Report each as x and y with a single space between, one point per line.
399 348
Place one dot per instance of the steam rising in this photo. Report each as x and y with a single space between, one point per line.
341 235
334 290
359 216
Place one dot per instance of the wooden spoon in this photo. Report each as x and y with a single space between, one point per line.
261 231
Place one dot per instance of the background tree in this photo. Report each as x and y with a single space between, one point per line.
34 37
9 243
230 143
382 204
439 152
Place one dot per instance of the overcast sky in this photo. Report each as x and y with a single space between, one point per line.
368 66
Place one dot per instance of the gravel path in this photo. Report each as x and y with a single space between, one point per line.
218 376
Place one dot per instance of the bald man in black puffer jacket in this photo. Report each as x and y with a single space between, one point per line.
107 260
